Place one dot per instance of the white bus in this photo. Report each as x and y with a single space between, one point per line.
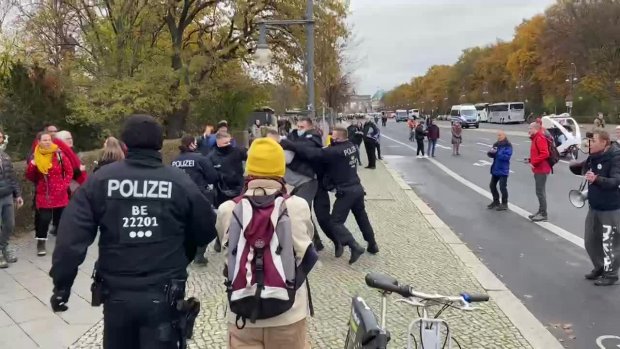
414 113
506 113
483 112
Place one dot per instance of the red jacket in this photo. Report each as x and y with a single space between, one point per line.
70 155
539 153
52 190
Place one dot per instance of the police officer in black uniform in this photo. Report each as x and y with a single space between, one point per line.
201 171
151 217
340 163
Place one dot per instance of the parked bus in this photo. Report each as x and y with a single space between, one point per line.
483 112
506 113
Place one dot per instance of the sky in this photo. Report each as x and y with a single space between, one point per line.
395 40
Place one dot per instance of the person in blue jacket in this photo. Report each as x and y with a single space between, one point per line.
500 169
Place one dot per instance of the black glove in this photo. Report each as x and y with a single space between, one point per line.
59 300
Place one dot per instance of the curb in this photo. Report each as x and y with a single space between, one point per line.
534 332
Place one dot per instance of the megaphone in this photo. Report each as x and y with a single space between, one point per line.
578 197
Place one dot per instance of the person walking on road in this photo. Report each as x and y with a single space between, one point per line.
371 132
539 156
419 138
384 119
602 227
10 198
500 169
457 138
341 169
411 123
433 135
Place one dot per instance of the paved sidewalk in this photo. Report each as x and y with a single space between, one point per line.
26 318
411 250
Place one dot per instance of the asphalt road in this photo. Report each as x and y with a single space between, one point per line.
542 264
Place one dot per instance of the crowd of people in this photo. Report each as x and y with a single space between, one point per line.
153 220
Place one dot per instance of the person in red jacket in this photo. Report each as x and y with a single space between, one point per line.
52 174
539 162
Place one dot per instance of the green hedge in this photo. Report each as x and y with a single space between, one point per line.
24 217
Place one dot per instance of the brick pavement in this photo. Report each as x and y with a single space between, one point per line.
410 250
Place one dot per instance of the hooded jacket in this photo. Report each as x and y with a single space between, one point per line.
539 153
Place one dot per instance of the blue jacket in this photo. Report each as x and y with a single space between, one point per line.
501 158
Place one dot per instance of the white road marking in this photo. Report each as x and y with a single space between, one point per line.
564 234
483 163
484 144
443 147
393 146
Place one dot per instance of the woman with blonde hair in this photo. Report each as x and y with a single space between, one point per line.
112 152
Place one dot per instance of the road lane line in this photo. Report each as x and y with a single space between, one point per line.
484 144
564 234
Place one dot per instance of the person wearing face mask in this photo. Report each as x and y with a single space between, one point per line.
602 172
303 174
227 161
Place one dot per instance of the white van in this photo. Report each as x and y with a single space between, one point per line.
401 115
414 113
483 112
466 114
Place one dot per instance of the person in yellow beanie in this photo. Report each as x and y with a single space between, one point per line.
265 169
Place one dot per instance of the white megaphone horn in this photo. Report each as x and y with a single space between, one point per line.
578 197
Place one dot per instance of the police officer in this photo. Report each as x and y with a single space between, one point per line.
151 218
201 171
340 163
371 139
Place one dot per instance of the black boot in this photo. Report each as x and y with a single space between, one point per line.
200 256
594 274
318 244
339 250
493 205
606 281
502 207
372 248
356 252
218 245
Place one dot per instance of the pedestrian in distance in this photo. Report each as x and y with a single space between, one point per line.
411 123
151 218
10 198
340 164
276 318
112 152
419 138
457 138
501 152
202 173
356 136
384 119
601 170
433 135
378 138
52 173
371 136
599 122
539 163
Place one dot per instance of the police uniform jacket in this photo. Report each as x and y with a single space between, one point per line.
151 219
199 169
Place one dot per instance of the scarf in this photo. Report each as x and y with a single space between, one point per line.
43 158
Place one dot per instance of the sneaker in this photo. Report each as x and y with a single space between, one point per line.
605 281
373 248
339 250
356 252
217 246
594 274
419 156
9 255
41 251
426 156
493 205
533 215
3 263
539 217
502 207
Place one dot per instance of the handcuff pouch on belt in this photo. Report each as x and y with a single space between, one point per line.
185 311
97 290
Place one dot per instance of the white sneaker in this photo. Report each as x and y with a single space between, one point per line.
426 156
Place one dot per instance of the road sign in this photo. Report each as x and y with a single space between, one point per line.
569 104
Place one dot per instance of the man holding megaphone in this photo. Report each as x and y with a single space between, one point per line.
601 170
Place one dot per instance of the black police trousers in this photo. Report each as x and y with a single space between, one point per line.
321 210
371 146
138 320
351 200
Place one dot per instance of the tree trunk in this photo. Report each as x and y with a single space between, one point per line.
175 122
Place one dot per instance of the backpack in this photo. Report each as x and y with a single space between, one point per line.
262 276
554 154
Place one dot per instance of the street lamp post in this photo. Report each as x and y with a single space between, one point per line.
572 79
263 53
520 86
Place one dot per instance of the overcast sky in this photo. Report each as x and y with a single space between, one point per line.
398 39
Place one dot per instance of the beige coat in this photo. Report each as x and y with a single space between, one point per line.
302 229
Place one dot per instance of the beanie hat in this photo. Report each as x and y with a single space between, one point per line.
265 159
142 132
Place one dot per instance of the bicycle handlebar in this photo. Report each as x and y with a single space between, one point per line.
475 297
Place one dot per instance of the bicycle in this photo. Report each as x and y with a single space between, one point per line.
364 331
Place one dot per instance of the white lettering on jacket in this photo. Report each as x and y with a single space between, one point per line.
128 188
183 163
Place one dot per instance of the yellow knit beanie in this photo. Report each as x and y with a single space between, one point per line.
265 159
